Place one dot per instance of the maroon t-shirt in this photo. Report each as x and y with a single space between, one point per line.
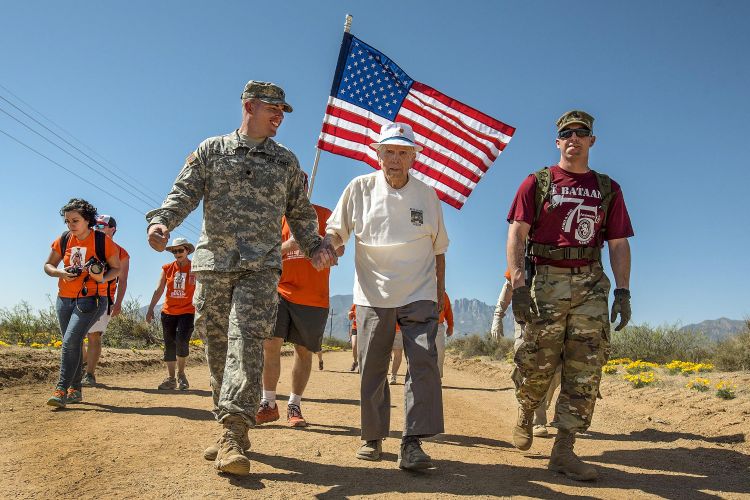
575 219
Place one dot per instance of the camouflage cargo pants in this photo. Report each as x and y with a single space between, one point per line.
234 313
573 329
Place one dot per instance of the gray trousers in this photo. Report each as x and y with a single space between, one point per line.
423 398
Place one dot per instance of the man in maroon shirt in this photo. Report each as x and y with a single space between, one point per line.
560 290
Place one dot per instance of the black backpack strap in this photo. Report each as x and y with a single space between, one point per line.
64 237
100 240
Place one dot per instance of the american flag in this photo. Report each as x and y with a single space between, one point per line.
369 89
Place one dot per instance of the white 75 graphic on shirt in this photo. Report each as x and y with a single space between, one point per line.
580 211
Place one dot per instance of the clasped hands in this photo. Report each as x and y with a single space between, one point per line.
325 256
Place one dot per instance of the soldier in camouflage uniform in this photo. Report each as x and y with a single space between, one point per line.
247 182
559 220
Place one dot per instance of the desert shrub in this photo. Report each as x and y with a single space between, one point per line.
734 353
332 341
475 345
661 344
22 324
129 328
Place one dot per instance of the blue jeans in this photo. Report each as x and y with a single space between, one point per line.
76 316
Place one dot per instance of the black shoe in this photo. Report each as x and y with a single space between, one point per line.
411 456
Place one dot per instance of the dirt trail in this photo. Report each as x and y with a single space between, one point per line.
129 440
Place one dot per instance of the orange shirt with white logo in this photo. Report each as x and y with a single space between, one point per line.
180 289
77 253
300 283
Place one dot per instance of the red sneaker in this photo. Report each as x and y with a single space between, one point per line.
266 414
294 416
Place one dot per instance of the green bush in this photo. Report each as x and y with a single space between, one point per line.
129 328
661 344
734 353
475 345
21 324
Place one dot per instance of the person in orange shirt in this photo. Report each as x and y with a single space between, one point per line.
108 225
300 319
445 329
177 313
353 336
90 259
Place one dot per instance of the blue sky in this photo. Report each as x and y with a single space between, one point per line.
142 83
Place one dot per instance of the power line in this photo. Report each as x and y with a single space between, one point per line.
67 132
187 224
139 211
149 199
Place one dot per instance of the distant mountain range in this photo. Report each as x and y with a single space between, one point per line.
717 329
472 316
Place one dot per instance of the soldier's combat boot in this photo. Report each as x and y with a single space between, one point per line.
522 432
564 460
230 458
213 450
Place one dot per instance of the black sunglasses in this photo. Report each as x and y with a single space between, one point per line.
178 250
568 133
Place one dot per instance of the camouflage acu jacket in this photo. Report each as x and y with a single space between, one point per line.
245 192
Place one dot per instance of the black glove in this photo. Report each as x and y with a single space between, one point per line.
524 308
621 306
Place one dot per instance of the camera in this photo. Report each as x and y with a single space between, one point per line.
95 266
74 270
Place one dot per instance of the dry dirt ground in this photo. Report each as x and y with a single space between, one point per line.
129 440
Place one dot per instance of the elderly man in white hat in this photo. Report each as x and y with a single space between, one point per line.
400 242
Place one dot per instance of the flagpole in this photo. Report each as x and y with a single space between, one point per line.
347 29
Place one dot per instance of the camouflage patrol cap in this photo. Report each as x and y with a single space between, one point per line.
267 92
576 116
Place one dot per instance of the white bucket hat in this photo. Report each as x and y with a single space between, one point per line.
181 242
399 134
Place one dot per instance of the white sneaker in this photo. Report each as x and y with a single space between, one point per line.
393 380
540 430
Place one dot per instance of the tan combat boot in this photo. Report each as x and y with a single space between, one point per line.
230 458
564 460
522 432
213 450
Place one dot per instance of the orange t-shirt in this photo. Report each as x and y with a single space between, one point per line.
180 289
300 283
123 256
77 253
447 314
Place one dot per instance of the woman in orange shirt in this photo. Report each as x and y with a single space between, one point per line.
177 313
82 290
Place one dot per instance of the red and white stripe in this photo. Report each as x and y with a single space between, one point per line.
460 143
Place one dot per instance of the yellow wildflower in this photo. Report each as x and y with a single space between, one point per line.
639 366
699 384
725 389
640 379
